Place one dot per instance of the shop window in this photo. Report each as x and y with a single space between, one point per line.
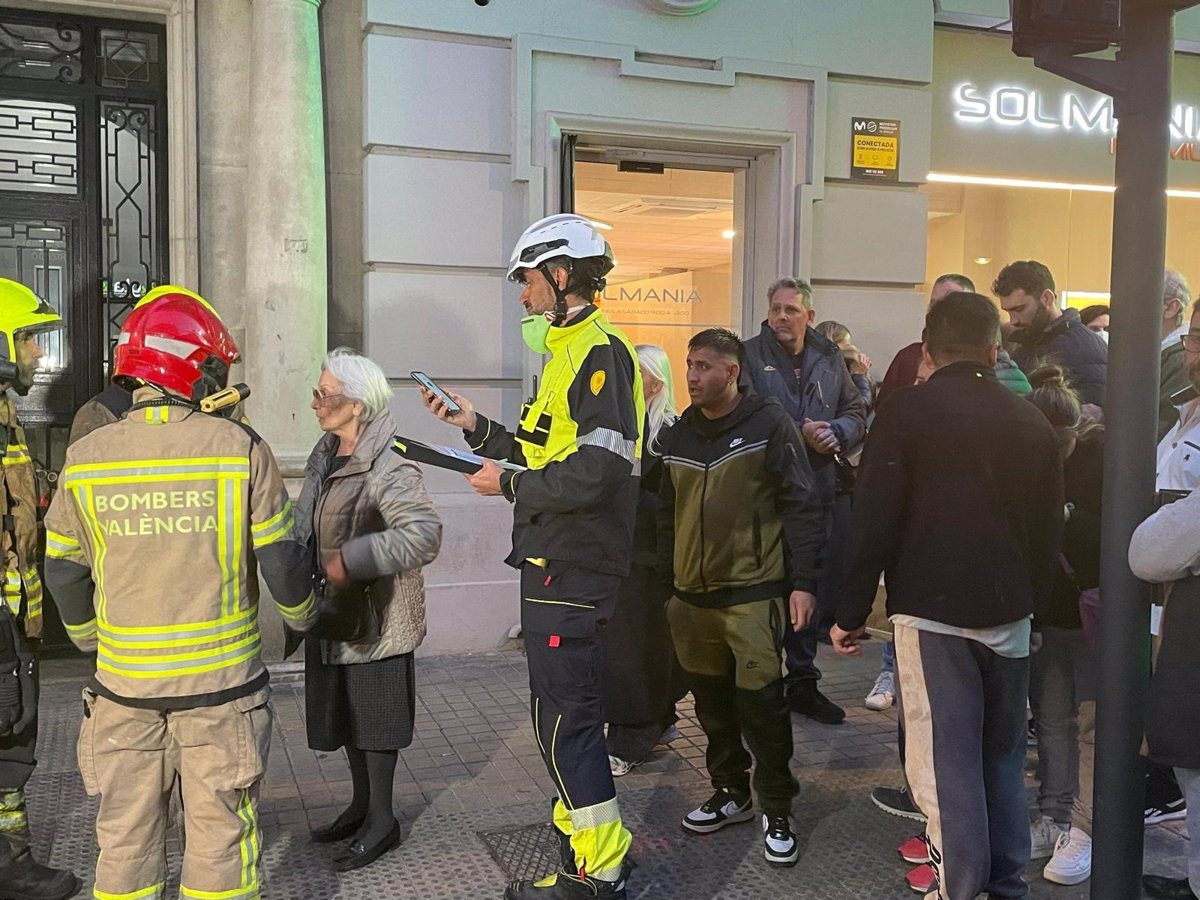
977 229
674 238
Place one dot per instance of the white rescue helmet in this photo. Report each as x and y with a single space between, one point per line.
565 234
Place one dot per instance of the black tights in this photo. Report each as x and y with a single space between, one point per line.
372 772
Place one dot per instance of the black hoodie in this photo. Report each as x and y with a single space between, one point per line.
741 519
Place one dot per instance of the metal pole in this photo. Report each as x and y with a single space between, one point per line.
1131 409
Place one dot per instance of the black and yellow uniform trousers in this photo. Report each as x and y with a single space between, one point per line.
562 608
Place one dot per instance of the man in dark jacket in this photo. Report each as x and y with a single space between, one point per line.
1166 550
1045 332
960 502
790 361
740 532
905 369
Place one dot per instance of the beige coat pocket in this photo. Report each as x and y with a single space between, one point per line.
84 749
254 717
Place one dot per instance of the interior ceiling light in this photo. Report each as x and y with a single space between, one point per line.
603 226
990 181
982 260
729 234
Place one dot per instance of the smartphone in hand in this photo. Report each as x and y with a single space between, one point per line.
434 388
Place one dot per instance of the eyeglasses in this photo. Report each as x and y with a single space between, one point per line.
325 399
1191 342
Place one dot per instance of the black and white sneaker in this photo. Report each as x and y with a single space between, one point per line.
721 809
1168 811
780 846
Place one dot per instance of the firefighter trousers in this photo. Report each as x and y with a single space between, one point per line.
562 610
17 762
131 757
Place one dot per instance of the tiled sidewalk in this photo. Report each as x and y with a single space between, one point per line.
473 780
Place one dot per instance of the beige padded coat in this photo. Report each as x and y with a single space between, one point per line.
376 512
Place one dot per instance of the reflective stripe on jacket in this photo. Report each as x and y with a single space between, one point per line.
18 493
170 512
581 438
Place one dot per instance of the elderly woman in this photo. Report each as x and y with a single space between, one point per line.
371 527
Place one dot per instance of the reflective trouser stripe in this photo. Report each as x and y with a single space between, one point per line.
248 844
154 892
13 818
247 893
598 838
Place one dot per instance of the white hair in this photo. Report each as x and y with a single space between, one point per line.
1175 287
361 379
661 408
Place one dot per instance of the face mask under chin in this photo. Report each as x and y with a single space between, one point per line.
534 330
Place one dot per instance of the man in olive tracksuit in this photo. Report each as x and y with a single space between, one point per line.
740 529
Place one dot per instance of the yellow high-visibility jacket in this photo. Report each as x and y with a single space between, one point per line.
581 439
169 513
18 498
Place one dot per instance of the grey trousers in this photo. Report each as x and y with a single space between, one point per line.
1060 679
964 718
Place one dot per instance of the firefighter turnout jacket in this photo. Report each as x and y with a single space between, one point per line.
153 543
581 439
19 507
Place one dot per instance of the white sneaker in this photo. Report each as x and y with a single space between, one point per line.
779 842
1043 837
721 809
1072 859
619 766
883 694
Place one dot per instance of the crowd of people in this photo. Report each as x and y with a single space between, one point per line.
955 505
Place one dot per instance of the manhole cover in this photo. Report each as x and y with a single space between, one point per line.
525 851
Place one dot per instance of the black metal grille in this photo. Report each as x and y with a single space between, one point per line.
129 58
39 146
39 252
129 195
524 852
43 52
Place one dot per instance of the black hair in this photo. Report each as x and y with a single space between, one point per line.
722 340
954 278
962 325
586 278
1026 275
1090 313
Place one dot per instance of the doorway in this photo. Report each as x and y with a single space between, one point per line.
677 230
83 200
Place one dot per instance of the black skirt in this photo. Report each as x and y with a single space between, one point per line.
368 706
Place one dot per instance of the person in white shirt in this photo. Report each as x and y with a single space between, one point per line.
1178 467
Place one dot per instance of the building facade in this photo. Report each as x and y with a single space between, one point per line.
356 172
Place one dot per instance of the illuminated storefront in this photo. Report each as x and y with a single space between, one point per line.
1021 166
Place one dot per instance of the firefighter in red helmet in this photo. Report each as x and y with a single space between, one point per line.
152 545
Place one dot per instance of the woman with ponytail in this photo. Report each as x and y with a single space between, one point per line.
1061 690
641 679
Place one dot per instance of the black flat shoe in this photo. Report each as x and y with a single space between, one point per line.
358 856
336 831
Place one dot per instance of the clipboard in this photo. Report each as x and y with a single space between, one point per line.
445 457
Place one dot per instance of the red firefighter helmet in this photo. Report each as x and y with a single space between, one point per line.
175 342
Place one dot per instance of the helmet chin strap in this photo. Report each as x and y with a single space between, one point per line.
560 295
